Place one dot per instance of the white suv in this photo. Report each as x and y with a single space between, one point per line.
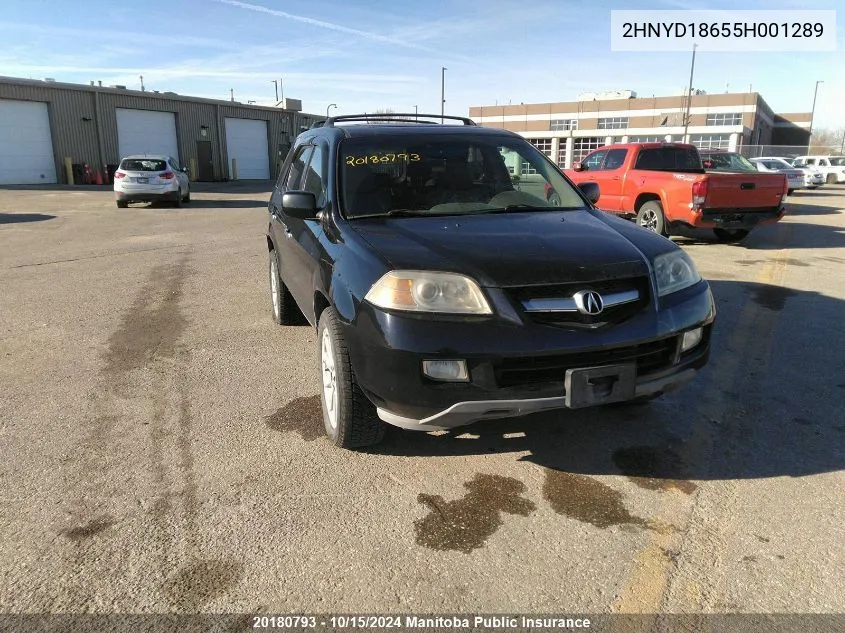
833 167
151 178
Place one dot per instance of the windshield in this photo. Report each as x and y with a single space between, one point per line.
142 164
727 162
837 161
448 175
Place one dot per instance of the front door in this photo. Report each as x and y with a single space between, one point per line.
609 177
205 166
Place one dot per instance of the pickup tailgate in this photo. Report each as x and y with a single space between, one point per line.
744 190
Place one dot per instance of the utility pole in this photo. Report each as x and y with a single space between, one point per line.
813 115
415 113
232 94
689 93
442 91
142 83
331 105
276 82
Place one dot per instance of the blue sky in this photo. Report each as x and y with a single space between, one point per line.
365 55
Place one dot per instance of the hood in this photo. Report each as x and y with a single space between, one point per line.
508 249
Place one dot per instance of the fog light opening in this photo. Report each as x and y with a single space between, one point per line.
691 339
446 370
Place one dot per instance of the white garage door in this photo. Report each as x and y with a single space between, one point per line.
26 147
146 132
246 142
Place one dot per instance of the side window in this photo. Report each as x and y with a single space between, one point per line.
615 158
811 161
315 177
297 168
823 162
594 160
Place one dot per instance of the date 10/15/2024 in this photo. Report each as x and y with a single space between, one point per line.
378 159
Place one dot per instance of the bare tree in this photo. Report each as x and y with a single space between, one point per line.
828 141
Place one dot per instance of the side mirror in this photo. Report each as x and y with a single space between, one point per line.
300 204
578 166
591 191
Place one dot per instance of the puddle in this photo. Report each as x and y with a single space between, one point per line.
303 415
588 500
200 582
466 524
653 468
88 530
772 297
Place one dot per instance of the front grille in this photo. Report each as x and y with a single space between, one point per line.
649 357
610 315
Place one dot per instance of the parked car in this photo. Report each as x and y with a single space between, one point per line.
445 289
663 187
151 179
813 177
833 167
795 177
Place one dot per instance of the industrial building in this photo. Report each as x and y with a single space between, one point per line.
567 131
45 125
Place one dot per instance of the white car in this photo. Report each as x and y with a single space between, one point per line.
151 178
833 167
795 178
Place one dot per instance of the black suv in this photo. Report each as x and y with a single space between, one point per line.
447 286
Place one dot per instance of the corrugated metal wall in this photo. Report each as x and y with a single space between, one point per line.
75 112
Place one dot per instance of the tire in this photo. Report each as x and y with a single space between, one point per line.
831 179
789 192
177 202
650 216
187 197
730 236
283 308
121 204
348 415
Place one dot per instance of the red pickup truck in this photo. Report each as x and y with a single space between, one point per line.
664 186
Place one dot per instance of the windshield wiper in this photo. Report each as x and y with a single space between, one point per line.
524 207
407 213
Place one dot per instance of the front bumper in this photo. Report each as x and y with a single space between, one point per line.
516 368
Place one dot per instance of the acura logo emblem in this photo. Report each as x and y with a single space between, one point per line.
588 302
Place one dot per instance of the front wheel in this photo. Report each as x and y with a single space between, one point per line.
349 417
730 236
650 216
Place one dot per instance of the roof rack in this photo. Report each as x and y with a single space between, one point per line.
397 117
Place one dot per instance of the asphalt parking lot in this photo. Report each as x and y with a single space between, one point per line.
162 446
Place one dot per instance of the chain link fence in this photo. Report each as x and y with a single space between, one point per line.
790 151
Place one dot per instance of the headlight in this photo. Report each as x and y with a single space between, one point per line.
421 291
674 271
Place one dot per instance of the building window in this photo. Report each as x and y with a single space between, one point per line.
584 145
711 141
544 145
613 123
563 125
725 118
646 139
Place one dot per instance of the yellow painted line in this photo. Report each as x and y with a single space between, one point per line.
646 587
